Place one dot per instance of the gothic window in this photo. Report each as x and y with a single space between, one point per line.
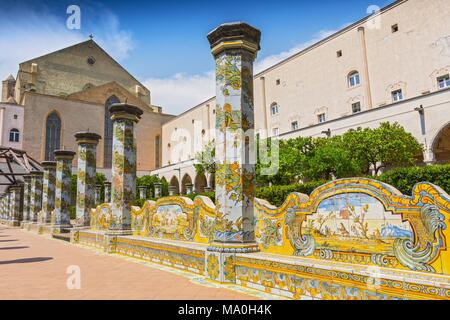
52 135
108 133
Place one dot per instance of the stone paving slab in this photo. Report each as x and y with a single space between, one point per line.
35 267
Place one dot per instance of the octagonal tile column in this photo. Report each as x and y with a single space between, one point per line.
61 218
124 117
234 47
86 176
48 191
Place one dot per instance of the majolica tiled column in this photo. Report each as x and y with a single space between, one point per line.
35 196
234 47
48 191
86 175
107 186
158 190
15 214
8 204
124 118
26 198
98 194
62 192
142 192
2 206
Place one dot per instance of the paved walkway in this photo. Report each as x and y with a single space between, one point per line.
35 267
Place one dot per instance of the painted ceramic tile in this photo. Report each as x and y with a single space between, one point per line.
355 222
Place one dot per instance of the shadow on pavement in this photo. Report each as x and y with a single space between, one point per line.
27 260
9 240
13 248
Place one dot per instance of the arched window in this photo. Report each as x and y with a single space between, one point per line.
274 109
52 135
108 133
14 135
354 79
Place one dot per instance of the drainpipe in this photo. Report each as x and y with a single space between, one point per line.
362 37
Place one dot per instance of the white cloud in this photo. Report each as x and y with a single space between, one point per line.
181 92
31 34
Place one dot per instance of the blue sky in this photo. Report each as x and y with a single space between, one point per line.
163 43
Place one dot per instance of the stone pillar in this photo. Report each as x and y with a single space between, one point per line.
86 175
107 195
8 204
158 190
172 190
62 192
2 206
429 157
142 192
15 214
208 189
98 194
124 117
36 195
234 47
26 198
189 188
48 191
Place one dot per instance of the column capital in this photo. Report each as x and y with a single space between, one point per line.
125 111
87 137
34 174
234 35
107 183
64 154
48 165
15 187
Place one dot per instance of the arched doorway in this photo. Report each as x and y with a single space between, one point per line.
52 135
108 133
174 183
200 183
185 181
441 145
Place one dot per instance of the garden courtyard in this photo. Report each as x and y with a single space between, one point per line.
34 267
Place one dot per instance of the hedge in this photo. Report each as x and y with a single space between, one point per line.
404 179
276 195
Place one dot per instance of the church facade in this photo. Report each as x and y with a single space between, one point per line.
70 90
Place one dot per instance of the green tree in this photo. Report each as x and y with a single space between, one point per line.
329 160
386 146
292 161
205 159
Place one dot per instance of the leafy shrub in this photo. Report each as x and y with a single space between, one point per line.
211 195
404 179
276 195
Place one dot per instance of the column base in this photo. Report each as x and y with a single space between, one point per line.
220 260
233 247
75 233
30 225
110 239
57 229
14 223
